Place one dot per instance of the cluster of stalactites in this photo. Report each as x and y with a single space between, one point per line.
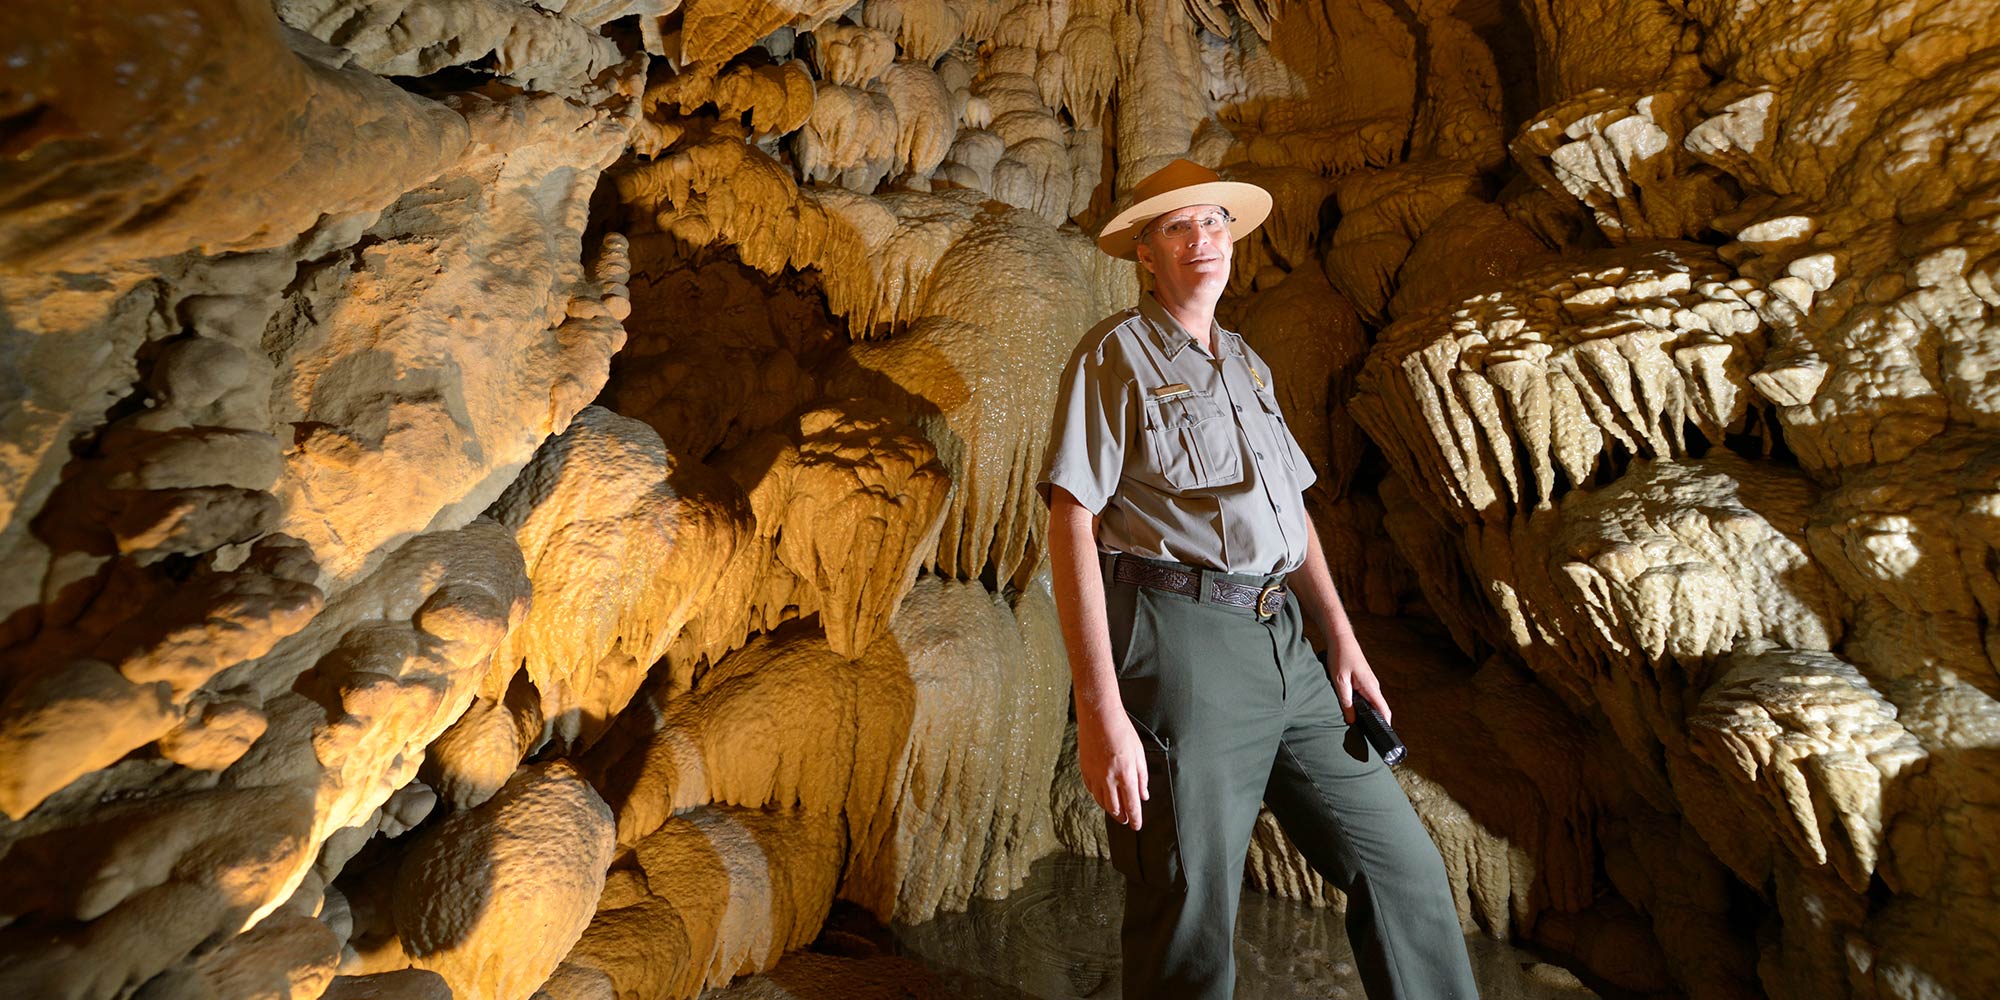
903 94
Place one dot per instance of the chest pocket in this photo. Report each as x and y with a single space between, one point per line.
1194 444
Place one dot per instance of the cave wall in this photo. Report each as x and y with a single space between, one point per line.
534 499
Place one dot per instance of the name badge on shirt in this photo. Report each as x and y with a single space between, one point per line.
1171 390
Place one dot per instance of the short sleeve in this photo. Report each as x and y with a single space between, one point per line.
1087 434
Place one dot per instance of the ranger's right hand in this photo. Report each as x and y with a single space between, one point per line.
1113 761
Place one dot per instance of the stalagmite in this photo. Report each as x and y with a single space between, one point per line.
713 894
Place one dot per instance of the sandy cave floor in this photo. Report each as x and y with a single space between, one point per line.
1056 938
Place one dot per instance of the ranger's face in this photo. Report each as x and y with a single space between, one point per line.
1188 250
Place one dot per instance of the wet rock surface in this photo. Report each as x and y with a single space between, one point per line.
1056 938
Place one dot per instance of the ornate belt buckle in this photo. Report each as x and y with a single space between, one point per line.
1270 600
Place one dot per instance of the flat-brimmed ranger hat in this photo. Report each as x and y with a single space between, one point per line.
1178 185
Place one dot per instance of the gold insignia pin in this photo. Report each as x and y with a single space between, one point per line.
1257 376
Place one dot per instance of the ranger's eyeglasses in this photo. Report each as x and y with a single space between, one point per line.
1179 230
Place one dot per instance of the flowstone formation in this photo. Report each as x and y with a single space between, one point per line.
509 499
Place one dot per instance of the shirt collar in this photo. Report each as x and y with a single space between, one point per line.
1172 337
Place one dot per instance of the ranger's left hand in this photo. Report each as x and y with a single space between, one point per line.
1348 667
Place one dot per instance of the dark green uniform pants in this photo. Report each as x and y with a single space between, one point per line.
1233 711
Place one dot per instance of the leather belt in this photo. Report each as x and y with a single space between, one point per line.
1264 601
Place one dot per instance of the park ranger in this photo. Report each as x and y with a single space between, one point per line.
1182 560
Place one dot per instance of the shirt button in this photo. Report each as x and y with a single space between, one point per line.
1260 454
1239 407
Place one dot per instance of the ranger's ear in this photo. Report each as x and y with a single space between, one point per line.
1145 254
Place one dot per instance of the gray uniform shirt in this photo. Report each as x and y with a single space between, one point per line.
1183 455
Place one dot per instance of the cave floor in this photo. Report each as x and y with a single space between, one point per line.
1056 938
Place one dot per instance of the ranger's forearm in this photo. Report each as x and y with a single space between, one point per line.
1079 591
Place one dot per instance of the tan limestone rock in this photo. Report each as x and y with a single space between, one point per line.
474 291
520 43
405 298
493 898
1587 45
240 162
1627 161
1333 91
1907 542
475 757
711 895
1381 215
1518 392
610 524
882 741
851 55
1471 247
213 735
743 368
844 504
288 957
778 98
67 716
131 869
1001 308
1812 746
404 984
65 724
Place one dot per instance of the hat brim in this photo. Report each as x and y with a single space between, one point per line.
1248 204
